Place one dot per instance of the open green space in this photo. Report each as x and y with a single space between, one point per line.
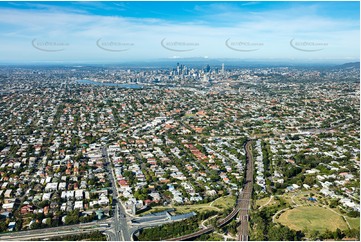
224 202
354 222
312 218
262 201
217 205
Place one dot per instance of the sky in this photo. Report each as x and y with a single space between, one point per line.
98 32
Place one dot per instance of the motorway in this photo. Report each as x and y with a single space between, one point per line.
121 230
55 231
242 206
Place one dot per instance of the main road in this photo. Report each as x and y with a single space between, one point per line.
55 231
121 230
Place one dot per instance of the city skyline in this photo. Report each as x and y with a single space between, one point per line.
99 32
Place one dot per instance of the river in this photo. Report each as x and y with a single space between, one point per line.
110 84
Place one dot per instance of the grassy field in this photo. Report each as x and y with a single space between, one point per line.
354 222
224 202
217 205
263 201
196 208
310 218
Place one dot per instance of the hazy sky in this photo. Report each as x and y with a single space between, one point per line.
129 31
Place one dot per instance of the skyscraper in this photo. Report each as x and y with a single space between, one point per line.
207 68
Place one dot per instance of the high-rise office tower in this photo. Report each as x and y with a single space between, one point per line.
208 68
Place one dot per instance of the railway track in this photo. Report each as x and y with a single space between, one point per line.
243 229
242 205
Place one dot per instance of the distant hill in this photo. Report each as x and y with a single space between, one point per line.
349 65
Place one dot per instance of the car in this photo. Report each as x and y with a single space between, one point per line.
104 225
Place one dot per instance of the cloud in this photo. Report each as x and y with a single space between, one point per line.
211 28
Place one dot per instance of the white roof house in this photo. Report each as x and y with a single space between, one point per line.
78 205
51 187
79 194
46 196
